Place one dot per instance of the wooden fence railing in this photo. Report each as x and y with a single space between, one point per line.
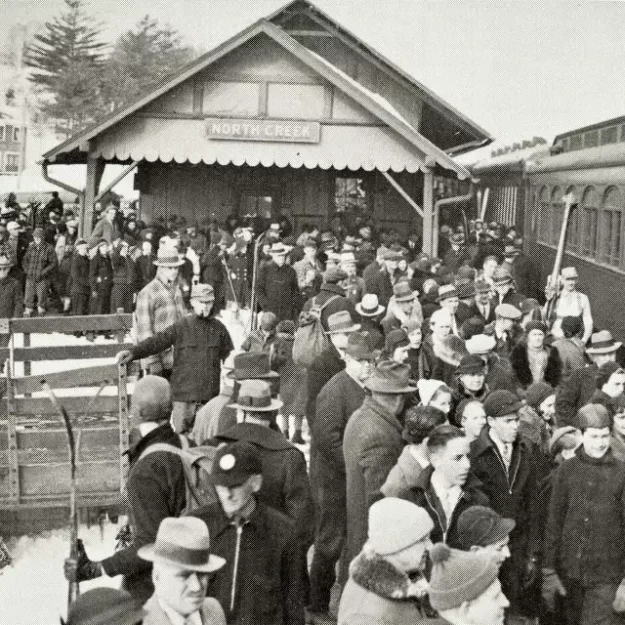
34 454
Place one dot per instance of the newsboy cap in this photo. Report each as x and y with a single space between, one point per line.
502 403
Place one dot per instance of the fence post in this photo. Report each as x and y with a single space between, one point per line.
124 424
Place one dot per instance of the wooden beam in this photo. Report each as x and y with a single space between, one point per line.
64 352
309 33
69 325
403 193
41 406
428 212
87 376
109 186
95 169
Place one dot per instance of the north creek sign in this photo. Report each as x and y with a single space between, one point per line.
263 130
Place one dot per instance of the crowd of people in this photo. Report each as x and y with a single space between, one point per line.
467 429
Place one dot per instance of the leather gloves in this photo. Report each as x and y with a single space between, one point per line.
81 569
551 587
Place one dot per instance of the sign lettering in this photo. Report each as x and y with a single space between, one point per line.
263 130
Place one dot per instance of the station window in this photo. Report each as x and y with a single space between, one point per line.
11 163
612 227
589 209
350 195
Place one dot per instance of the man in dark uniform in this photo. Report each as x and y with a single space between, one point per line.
278 291
101 280
262 581
78 286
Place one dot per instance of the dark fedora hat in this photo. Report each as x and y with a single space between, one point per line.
252 366
392 378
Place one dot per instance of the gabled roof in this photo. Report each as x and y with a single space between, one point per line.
373 103
483 137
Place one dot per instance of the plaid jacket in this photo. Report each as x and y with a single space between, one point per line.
158 307
39 261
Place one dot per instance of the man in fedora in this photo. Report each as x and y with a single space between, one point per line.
285 478
262 581
482 306
278 291
308 269
182 564
330 361
402 307
457 255
331 297
201 343
381 283
101 279
338 400
160 304
524 273
448 298
354 285
505 290
11 299
505 329
370 313
372 445
581 385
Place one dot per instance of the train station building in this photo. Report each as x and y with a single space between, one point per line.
293 116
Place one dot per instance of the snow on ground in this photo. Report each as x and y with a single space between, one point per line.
33 590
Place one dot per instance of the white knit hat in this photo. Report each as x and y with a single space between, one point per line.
396 524
427 389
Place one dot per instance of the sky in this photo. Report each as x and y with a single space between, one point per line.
518 69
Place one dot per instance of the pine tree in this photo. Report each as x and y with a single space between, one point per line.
67 60
141 59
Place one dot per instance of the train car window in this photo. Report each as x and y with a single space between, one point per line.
544 212
623 132
591 139
575 142
573 234
557 215
609 135
612 227
590 209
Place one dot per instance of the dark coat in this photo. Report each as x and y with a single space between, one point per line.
278 291
156 490
381 284
322 369
585 533
336 403
100 272
575 393
269 579
293 378
11 298
78 280
146 270
526 276
40 262
512 494
500 375
200 346
371 447
423 495
521 366
285 480
338 304
475 312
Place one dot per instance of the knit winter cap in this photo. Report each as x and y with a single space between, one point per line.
459 576
606 371
479 526
571 326
471 365
537 393
151 400
427 389
396 524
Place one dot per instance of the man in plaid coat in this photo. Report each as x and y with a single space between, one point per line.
159 306
39 264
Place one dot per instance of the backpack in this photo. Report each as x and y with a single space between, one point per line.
197 463
310 338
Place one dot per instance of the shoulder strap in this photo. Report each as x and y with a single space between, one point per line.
331 299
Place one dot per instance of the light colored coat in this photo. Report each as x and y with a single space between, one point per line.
212 613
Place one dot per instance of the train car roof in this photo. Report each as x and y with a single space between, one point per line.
611 155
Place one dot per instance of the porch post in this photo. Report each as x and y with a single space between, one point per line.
428 211
95 169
